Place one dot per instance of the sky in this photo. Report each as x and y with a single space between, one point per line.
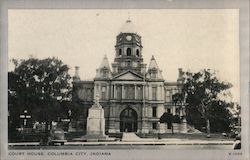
192 39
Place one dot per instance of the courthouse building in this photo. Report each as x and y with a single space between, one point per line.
133 96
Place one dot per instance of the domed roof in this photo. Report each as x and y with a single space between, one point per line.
128 27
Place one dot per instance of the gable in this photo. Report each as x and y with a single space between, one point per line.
128 76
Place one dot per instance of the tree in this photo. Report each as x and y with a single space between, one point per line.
167 118
39 86
204 96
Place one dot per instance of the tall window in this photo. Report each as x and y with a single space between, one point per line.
103 92
137 53
168 96
154 93
139 92
120 52
131 92
126 92
154 111
89 95
119 92
169 110
128 51
154 125
177 111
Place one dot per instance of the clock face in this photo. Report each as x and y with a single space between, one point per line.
129 38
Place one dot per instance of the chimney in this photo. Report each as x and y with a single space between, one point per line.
180 73
76 76
76 71
180 77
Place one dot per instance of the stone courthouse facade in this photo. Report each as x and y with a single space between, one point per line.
133 95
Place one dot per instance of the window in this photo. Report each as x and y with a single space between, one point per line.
89 94
103 93
128 63
154 93
128 51
137 53
153 75
126 92
154 125
131 92
119 92
139 92
168 96
169 111
154 111
120 52
104 73
177 111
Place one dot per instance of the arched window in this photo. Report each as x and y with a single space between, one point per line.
128 51
120 52
137 53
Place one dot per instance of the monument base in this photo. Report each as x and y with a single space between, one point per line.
95 138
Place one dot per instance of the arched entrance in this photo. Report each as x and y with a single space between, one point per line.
128 120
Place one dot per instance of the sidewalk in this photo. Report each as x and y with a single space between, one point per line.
147 141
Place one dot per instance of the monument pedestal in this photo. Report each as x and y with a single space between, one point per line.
95 123
184 127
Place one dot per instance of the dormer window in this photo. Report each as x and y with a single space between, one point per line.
105 73
128 51
153 75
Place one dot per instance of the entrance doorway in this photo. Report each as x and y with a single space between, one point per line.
128 120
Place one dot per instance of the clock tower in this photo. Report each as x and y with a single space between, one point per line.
128 51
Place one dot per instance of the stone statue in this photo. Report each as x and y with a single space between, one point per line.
97 102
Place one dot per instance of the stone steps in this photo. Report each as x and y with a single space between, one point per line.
130 136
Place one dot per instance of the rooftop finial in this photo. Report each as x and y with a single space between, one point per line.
129 20
152 58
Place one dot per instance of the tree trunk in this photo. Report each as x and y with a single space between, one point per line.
208 127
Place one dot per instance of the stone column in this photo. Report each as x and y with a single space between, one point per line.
146 92
107 92
115 92
95 88
149 92
160 110
159 93
144 123
111 92
135 92
123 92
